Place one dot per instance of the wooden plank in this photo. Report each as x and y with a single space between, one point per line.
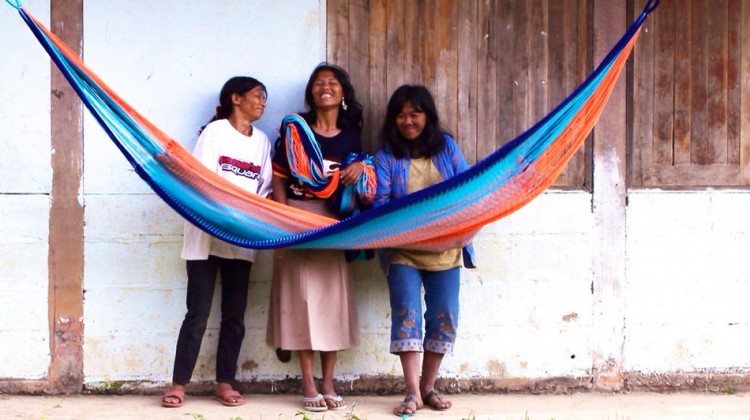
558 48
682 84
487 55
609 208
709 175
643 105
699 146
466 129
559 44
585 60
430 25
446 43
337 32
65 254
538 101
716 83
519 69
745 96
734 89
577 174
412 41
503 54
664 31
378 71
359 58
395 57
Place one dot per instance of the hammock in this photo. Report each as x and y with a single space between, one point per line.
442 216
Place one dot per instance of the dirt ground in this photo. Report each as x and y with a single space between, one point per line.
633 406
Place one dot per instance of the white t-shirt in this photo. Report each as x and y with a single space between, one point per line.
244 161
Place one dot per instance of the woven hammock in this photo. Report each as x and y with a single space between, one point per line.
442 216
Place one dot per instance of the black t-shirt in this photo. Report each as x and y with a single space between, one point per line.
334 148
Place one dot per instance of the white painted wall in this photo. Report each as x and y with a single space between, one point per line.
688 281
169 59
25 179
526 312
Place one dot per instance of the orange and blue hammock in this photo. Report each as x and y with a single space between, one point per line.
445 215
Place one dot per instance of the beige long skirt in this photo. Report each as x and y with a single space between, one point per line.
312 297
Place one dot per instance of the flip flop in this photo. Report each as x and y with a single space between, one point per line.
409 403
230 397
316 400
178 395
428 401
332 400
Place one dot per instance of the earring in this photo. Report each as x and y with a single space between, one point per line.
343 104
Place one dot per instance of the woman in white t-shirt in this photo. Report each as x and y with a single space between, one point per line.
241 154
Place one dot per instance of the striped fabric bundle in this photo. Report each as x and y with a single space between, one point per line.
442 216
307 165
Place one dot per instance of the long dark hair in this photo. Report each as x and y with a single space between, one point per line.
430 141
239 85
349 118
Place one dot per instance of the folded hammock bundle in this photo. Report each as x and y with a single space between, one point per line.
442 216
307 165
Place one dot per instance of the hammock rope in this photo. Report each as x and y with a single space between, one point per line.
442 216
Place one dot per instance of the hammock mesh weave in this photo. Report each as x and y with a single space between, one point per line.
445 215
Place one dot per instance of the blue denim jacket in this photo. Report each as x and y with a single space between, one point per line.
393 175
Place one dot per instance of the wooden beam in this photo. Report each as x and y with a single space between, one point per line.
65 255
608 206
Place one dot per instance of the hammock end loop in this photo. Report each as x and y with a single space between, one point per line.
15 3
650 6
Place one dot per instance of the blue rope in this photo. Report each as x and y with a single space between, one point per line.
15 3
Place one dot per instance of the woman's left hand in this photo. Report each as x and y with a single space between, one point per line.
351 173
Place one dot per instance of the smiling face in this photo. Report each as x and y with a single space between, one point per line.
410 121
251 104
326 90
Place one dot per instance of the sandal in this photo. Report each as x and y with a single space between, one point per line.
436 401
230 397
314 404
333 401
408 404
174 395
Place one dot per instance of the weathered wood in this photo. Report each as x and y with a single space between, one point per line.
494 66
337 33
66 214
446 54
375 110
745 95
716 82
664 46
359 52
682 85
700 49
699 144
487 109
466 129
734 62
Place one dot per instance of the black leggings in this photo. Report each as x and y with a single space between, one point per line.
235 278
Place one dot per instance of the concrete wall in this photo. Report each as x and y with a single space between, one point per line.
25 177
543 311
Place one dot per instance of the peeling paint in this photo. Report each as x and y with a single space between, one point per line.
497 368
570 317
249 365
